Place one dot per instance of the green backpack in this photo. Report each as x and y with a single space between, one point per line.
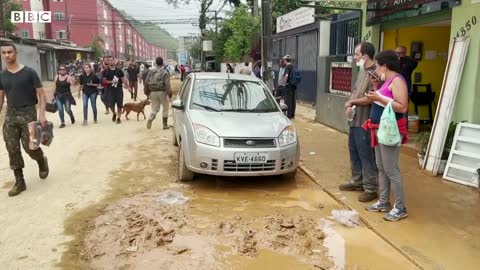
388 133
156 80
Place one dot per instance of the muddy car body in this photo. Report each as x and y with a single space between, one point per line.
230 125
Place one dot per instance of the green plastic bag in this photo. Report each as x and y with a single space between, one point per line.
388 133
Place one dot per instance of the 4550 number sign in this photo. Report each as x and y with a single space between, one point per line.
468 26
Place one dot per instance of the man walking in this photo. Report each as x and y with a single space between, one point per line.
280 93
362 157
23 89
290 88
157 87
133 72
407 66
113 77
246 70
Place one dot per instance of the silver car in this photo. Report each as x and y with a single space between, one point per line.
231 125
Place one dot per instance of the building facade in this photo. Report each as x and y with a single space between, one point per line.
81 22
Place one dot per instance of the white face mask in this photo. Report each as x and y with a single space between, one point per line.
361 63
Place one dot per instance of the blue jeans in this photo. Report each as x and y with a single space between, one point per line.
93 101
64 102
362 159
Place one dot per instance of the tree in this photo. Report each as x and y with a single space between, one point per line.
8 7
244 28
96 47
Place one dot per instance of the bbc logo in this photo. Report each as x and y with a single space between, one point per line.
31 17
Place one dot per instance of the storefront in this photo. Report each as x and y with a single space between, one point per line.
427 28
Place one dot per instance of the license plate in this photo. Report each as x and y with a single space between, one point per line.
251 157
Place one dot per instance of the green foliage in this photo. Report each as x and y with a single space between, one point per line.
96 48
154 33
9 6
422 142
243 27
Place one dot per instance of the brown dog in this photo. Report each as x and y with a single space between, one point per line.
136 107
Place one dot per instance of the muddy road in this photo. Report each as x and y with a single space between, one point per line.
100 208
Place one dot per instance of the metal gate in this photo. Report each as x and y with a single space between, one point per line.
302 45
345 32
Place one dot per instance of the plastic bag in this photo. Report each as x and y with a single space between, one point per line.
173 197
38 135
388 133
349 218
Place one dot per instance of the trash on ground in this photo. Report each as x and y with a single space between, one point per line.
173 197
312 153
308 129
349 218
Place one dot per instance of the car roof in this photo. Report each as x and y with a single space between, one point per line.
218 75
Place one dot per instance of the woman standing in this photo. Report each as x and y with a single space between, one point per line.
63 94
257 69
230 68
394 90
89 83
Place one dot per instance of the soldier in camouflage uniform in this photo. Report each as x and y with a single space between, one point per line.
23 90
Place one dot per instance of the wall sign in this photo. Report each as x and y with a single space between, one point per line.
295 19
380 11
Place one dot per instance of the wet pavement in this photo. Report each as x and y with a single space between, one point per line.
105 184
441 231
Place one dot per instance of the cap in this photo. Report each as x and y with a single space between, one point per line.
287 57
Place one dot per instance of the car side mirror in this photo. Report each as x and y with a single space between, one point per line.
283 107
178 104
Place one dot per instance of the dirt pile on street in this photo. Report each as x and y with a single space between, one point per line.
140 231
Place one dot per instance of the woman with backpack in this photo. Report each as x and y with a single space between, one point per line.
63 95
89 83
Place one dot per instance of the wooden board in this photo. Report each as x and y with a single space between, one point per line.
464 159
446 103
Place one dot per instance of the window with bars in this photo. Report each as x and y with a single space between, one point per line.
61 34
59 16
24 33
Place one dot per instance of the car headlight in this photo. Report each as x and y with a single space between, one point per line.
205 135
288 136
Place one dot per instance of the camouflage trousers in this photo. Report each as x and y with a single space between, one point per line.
15 130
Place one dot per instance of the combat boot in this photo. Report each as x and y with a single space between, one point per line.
20 185
165 125
43 169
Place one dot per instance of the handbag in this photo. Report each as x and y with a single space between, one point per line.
51 106
388 132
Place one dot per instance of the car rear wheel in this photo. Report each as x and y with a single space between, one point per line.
184 174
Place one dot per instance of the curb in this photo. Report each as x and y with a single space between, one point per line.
362 218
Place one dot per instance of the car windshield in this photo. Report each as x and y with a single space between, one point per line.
231 95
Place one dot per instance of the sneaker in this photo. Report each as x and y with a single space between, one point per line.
62 125
85 123
396 214
379 207
350 187
119 121
149 124
95 122
43 169
367 196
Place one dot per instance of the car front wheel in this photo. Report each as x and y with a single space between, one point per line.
184 174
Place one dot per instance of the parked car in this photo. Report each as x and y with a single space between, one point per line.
231 125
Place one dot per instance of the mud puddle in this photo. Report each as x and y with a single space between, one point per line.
140 231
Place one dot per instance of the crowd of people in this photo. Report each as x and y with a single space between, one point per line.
22 87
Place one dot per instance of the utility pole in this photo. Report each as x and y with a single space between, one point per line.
267 43
2 20
255 8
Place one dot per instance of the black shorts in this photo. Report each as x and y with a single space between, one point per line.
114 97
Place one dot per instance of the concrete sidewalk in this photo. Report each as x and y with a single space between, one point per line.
443 227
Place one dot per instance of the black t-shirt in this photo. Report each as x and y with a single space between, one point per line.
288 71
84 80
133 73
20 87
109 74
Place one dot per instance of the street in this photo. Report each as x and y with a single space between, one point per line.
105 184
